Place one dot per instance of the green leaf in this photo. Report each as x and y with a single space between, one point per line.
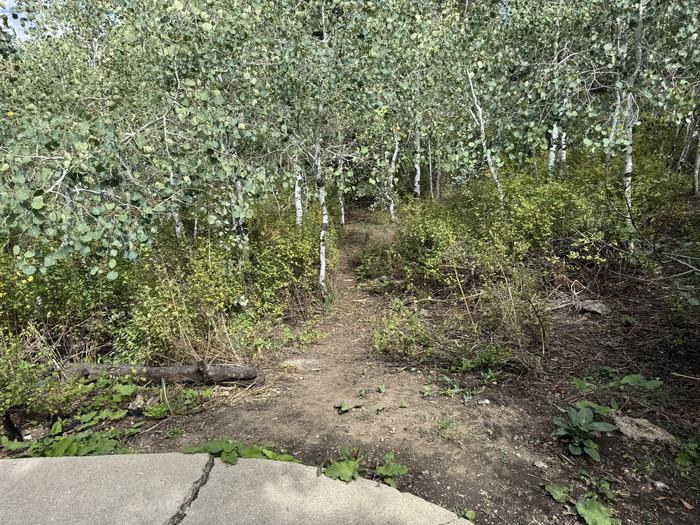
391 470
560 493
598 409
37 203
286 457
593 513
28 269
573 416
112 275
575 449
251 453
381 389
217 446
343 470
230 457
592 453
390 481
9 446
599 426
585 416
57 428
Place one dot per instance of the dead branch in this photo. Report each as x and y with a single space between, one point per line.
199 373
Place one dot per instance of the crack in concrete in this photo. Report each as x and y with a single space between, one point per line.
184 507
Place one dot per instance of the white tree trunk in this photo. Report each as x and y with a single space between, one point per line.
416 179
630 121
341 198
629 166
562 153
321 185
298 205
438 176
696 171
553 146
478 117
241 227
178 224
389 186
430 169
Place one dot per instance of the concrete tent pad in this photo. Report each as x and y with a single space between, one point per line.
119 489
261 492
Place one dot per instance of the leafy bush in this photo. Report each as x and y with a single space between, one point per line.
400 333
183 297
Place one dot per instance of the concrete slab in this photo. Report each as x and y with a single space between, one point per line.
261 492
123 489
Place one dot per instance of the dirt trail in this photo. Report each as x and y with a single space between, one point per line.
490 456
459 457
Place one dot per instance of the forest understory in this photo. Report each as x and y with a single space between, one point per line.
493 453
453 247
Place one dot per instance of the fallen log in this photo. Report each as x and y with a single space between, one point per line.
199 373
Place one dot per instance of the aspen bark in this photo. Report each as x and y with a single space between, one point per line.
416 179
389 186
630 121
562 152
321 185
480 121
430 169
438 176
696 171
298 206
629 165
553 146
341 198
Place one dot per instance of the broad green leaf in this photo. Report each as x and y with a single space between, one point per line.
585 416
56 428
592 453
593 513
575 450
343 470
392 470
560 493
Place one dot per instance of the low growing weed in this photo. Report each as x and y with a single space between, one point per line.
229 451
579 430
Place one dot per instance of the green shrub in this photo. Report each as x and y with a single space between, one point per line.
399 333
182 298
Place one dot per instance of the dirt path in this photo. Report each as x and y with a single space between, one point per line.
491 455
459 457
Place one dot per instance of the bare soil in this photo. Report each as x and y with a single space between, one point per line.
492 454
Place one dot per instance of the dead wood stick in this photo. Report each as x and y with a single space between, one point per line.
199 373
685 376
